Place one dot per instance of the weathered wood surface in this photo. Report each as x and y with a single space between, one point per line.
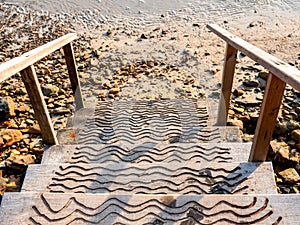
47 208
227 79
38 103
147 152
17 64
129 137
73 75
105 109
267 118
281 69
152 178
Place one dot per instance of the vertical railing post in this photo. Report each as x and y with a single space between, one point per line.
38 103
267 118
73 74
227 79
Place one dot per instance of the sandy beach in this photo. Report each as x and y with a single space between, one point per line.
170 37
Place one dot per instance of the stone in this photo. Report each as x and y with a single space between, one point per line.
280 128
114 91
290 175
238 92
7 108
237 123
251 83
295 135
9 136
50 90
34 129
19 162
61 111
292 125
263 75
282 153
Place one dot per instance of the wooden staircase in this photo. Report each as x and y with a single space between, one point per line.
149 162
152 162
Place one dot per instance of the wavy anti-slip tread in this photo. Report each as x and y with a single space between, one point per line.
142 121
152 178
148 152
52 208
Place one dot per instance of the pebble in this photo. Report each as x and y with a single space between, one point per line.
295 135
9 136
7 108
290 175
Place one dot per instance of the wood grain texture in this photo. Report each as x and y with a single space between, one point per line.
47 208
281 69
17 64
267 118
38 103
220 152
152 178
73 75
227 79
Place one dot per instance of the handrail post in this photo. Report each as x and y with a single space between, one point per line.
38 103
73 74
267 118
227 79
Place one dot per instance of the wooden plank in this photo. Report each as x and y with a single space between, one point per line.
212 152
152 178
281 69
227 79
47 208
267 118
17 64
38 103
73 74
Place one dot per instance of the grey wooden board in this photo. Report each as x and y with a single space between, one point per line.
124 135
50 208
108 109
152 178
191 152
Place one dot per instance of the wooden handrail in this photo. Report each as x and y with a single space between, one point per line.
281 73
281 69
24 65
17 64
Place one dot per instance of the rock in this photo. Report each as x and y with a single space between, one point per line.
50 90
9 136
247 137
282 153
19 162
7 108
238 92
34 129
251 83
61 111
295 135
263 75
290 175
114 91
292 125
239 110
237 123
280 128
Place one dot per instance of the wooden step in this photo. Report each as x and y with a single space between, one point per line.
53 208
111 112
126 136
152 178
148 152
